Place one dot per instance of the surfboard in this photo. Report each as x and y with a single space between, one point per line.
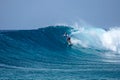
69 44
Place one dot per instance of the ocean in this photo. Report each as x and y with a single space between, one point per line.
43 54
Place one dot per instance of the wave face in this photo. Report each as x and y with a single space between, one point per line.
43 54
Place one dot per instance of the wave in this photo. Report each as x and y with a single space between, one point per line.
47 46
44 52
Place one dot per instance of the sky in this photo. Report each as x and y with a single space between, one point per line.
32 14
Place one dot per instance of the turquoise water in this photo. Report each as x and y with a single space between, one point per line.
43 54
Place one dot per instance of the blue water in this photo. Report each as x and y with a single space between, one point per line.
43 54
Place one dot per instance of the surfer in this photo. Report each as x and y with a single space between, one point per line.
68 38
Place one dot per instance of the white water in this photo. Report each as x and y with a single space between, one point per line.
97 38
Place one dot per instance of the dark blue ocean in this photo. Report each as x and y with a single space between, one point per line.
43 54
